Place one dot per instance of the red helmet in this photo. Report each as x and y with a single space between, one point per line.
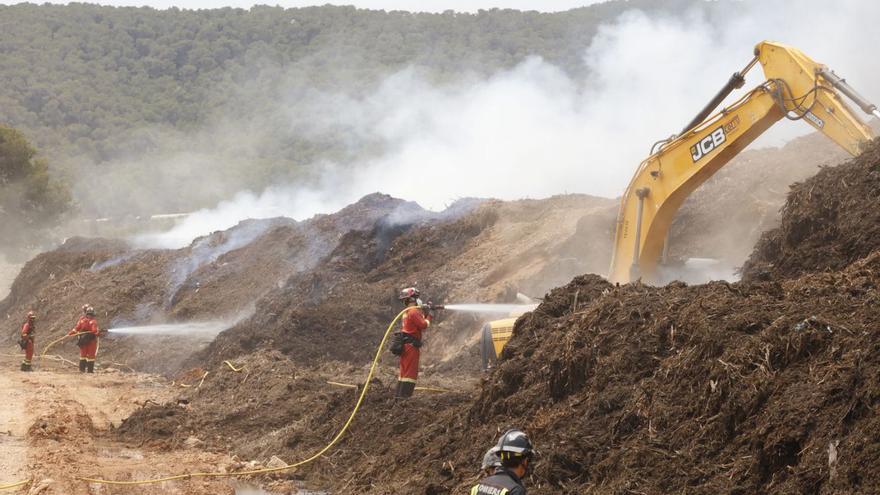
409 293
31 315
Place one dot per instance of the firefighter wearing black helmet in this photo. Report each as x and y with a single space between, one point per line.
515 452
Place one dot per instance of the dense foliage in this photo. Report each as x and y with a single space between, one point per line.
93 85
30 200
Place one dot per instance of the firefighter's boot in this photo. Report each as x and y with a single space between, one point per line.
405 389
91 366
82 365
23 366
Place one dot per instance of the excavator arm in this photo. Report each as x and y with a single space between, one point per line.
796 88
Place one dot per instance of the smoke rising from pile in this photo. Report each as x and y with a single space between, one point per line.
535 130
207 250
8 271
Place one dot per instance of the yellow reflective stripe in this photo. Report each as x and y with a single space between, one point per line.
407 380
478 489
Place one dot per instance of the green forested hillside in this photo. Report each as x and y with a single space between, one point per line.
30 200
90 84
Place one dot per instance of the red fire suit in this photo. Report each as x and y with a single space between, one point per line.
89 348
414 322
27 334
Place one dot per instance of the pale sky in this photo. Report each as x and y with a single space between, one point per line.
411 5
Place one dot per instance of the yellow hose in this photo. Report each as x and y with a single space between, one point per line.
346 385
433 389
14 485
202 380
233 368
53 357
281 468
426 389
57 341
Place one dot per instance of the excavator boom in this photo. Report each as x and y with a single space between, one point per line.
796 88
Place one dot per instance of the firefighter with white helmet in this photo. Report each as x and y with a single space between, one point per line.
416 319
27 341
86 332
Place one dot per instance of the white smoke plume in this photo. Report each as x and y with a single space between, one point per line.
8 271
293 202
535 131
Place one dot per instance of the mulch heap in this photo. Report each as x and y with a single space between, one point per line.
764 386
828 221
720 388
769 385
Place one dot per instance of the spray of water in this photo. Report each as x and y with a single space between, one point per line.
510 309
204 328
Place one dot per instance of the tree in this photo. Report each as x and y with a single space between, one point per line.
84 81
31 202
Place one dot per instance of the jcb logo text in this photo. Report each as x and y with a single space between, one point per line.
707 144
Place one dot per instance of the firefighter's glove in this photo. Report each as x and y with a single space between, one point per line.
428 307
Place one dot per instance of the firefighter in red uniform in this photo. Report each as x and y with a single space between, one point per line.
27 341
414 322
85 307
87 332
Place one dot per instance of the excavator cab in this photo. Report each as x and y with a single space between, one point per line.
495 334
796 88
493 337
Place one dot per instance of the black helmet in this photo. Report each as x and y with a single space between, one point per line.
90 311
514 444
409 293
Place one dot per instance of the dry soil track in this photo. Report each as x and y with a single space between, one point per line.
54 424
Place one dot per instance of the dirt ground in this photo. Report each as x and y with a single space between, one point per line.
746 387
57 425
274 407
611 381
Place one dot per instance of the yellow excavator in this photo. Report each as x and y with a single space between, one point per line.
797 88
